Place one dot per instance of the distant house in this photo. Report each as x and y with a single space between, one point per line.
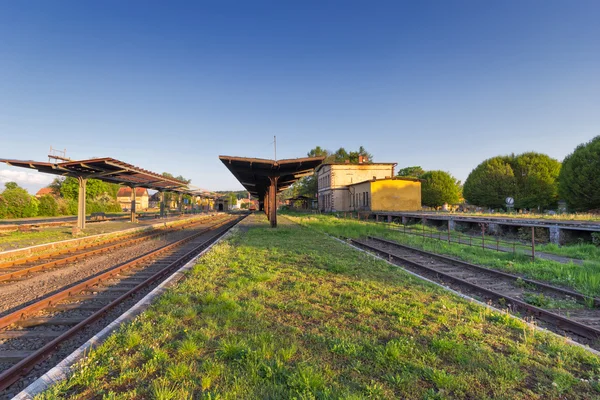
141 198
45 191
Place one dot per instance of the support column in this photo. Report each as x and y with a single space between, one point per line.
81 205
132 219
273 201
180 205
162 204
267 204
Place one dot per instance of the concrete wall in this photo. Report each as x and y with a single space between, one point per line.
395 195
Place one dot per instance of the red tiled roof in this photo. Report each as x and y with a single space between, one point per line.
126 192
44 191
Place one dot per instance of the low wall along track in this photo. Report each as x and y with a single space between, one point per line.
33 332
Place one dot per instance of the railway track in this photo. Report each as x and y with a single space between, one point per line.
23 268
562 310
32 333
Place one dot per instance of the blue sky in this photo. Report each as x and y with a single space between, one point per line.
169 86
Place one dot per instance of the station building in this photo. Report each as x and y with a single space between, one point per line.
141 198
365 187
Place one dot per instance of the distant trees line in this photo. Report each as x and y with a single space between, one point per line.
534 180
537 181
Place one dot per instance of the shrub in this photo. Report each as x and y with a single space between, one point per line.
3 207
48 206
19 203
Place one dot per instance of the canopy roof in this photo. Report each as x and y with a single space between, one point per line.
254 173
106 169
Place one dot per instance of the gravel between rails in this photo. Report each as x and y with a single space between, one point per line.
19 293
68 346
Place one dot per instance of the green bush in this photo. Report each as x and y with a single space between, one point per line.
19 203
48 206
3 207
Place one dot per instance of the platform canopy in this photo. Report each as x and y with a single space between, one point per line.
108 170
105 169
265 178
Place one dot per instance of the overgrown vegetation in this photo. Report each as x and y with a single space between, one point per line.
290 313
584 278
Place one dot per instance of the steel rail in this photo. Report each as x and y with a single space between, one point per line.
559 321
100 248
51 300
545 286
12 374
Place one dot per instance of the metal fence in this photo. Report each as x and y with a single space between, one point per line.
450 236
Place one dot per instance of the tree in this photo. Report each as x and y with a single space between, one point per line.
19 203
579 178
411 172
439 187
3 207
491 182
69 189
48 206
536 180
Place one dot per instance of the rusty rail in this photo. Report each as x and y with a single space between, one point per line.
559 321
55 263
12 374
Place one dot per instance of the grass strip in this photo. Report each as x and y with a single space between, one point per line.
291 313
584 278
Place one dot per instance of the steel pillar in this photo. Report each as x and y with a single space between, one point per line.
132 217
162 204
273 201
81 205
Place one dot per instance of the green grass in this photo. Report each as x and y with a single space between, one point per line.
560 217
583 278
15 240
289 313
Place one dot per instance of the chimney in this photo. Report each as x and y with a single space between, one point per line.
360 159
346 161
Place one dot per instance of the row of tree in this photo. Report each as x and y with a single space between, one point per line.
534 180
537 181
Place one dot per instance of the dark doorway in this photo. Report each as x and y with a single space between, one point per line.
220 207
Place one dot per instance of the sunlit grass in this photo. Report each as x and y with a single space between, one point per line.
290 313
584 278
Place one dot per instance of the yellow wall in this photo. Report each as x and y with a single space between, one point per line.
395 195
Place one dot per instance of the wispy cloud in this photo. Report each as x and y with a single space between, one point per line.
24 177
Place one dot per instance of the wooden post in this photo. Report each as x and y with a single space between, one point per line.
273 201
81 205
483 236
533 243
132 197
